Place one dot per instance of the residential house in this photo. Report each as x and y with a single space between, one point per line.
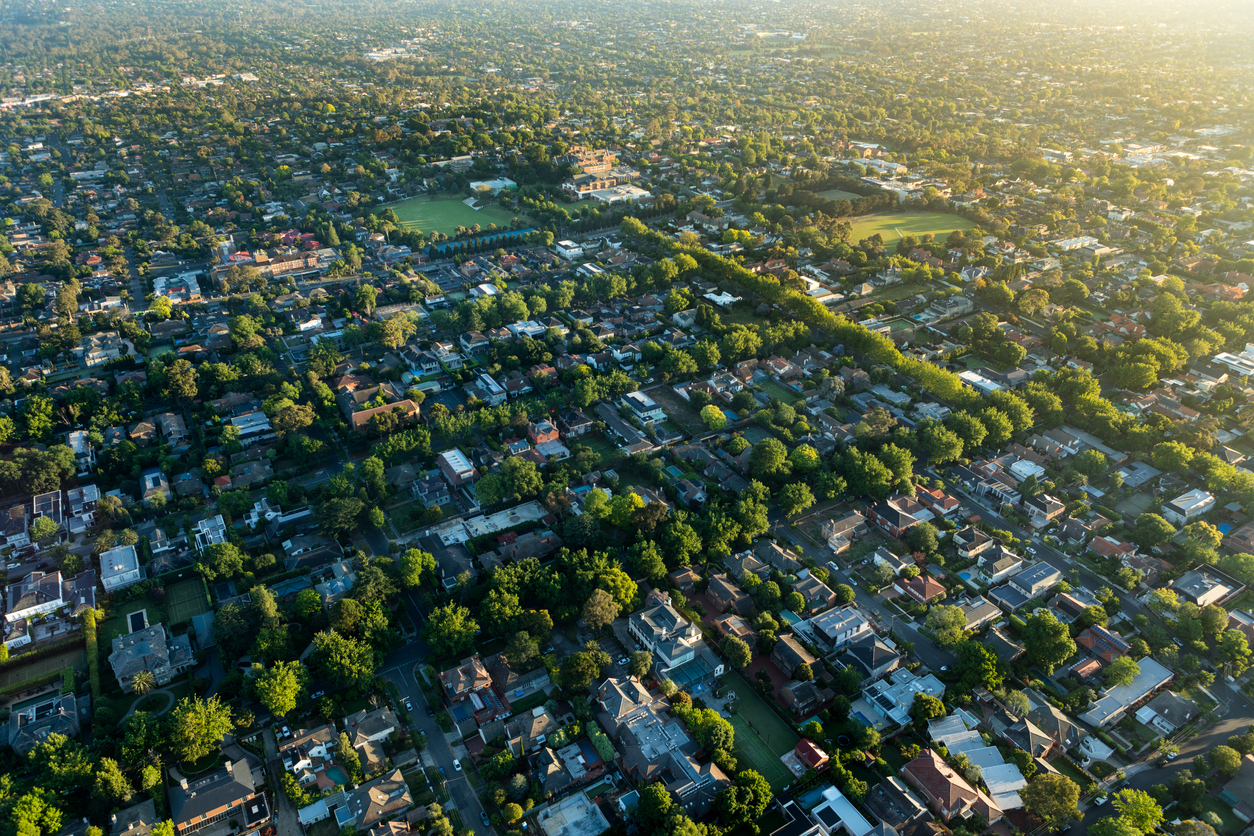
528 732
818 596
1118 701
671 638
891 516
738 565
1042 510
925 589
947 792
470 684
727 597
837 628
778 557
456 467
733 625
229 793
999 563
1204 587
979 612
841 533
891 802
892 562
1238 793
119 568
872 657
971 542
52 714
789 654
374 801
151 649
892 697
643 408
1188 507
1103 643
1036 580
803 699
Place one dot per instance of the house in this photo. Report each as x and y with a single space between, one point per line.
1026 736
1188 507
925 589
1036 580
51 714
470 683
998 564
671 638
738 565
727 597
778 557
1167 712
153 484
947 792
892 562
1103 643
119 568
837 628
890 515
1042 510
892 697
789 654
892 803
309 752
231 792
643 408
684 579
456 467
1112 548
209 532
1204 587
818 596
803 699
734 625
841 533
374 801
573 423
137 820
972 542
979 612
42 592
367 730
528 732
151 649
872 657
1117 701
1056 723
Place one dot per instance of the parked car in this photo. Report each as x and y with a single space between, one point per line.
485 818
316 694
409 705
457 764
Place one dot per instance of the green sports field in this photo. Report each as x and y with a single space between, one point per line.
447 212
897 225
838 194
186 599
761 736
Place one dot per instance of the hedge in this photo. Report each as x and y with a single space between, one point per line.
39 682
93 654
42 652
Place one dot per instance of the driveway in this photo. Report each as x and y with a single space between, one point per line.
285 818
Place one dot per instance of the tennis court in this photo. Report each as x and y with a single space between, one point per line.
186 599
761 736
43 667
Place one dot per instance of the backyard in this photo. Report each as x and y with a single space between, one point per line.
447 212
761 736
43 667
898 225
186 599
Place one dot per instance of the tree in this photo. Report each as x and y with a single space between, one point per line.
744 801
803 672
1113 826
450 630
280 686
795 601
922 538
44 530
977 665
713 417
346 756
1048 641
653 809
578 670
364 298
111 788
348 661
196 726
794 498
769 459
415 567
143 682
1138 808
737 652
641 663
522 650
221 560
511 812
926 707
337 515
1054 799
1151 530
180 380
600 610
949 623
1225 759
1121 672
844 593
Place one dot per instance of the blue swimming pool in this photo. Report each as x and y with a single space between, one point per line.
966 576
1224 528
337 775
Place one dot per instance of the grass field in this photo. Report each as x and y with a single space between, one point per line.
447 212
186 599
761 736
43 667
894 226
838 194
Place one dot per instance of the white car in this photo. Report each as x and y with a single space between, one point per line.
1031 550
457 764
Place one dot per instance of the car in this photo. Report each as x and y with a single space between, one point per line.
1171 756
285 733
1100 800
1031 550
457 764
485 818
317 694
430 711
944 668
624 661
408 703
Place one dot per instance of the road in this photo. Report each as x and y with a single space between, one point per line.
398 668
925 650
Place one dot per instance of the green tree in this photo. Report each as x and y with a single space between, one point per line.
1054 799
737 652
600 610
713 417
522 650
1225 759
1150 530
1138 808
949 624
416 566
769 459
1048 641
348 661
346 756
111 789
221 560
977 665
794 498
1121 672
280 686
196 726
926 707
450 630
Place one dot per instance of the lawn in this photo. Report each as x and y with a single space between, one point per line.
761 736
838 194
447 212
774 390
186 600
898 225
43 667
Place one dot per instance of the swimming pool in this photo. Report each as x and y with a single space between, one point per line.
1224 528
966 576
337 775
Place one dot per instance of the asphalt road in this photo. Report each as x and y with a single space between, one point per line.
927 652
398 668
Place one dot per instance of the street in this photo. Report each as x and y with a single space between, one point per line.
398 668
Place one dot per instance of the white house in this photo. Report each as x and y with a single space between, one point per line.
1188 506
119 568
568 250
643 407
